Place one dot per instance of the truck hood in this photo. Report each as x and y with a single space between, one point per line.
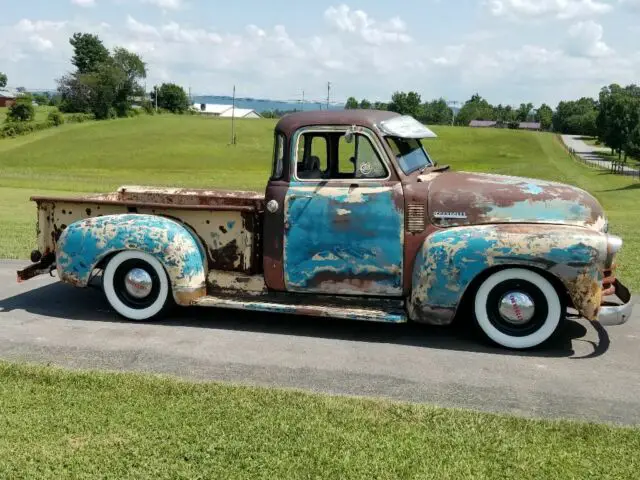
462 198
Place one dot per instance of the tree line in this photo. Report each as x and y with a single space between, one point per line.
438 112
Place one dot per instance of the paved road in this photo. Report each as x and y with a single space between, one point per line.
589 373
590 154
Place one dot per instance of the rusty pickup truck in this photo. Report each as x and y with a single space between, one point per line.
357 222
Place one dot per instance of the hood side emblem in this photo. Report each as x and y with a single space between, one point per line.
448 215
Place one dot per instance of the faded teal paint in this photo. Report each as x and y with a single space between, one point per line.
451 259
342 241
84 243
556 210
533 189
231 224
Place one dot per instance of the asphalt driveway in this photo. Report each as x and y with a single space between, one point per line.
590 373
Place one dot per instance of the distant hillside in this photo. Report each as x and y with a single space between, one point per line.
262 105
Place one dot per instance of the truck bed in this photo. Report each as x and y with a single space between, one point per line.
228 223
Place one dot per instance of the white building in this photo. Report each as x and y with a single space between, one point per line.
224 111
240 113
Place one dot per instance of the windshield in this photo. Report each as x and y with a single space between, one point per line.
410 154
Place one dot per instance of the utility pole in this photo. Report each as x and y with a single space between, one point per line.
328 94
233 117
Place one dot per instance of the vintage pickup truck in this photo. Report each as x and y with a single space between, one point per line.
357 222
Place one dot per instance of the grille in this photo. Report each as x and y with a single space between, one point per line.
415 218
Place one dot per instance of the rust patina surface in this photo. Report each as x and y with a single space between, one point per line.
332 246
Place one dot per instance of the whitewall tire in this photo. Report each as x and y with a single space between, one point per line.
518 308
136 285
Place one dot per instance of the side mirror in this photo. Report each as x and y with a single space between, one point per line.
350 134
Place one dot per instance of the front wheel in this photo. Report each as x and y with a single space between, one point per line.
518 308
136 285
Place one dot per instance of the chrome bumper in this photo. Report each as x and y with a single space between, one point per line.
617 313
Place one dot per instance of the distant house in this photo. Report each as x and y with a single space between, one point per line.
224 111
7 97
240 113
532 126
211 108
483 123
536 126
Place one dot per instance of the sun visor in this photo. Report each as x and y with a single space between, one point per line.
405 126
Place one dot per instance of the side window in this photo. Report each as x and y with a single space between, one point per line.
278 157
359 159
312 156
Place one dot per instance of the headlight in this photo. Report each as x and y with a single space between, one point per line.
614 244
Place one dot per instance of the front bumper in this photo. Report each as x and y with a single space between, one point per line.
617 312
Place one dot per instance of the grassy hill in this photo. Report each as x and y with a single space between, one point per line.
195 151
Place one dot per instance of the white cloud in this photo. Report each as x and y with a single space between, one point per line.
361 55
140 28
27 26
166 4
84 3
560 9
586 39
359 23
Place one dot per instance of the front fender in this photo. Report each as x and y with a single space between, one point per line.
85 243
451 259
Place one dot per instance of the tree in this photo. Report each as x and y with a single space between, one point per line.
576 117
22 110
476 108
619 117
544 115
407 104
172 97
351 104
3 80
89 52
131 68
437 112
365 104
103 84
522 114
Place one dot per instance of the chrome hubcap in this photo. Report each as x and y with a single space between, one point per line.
138 283
517 308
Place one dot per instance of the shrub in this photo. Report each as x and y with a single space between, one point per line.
21 111
79 117
56 118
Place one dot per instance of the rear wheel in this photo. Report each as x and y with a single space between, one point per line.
136 285
518 308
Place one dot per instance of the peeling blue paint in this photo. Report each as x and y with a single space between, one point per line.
451 259
84 243
342 242
533 189
230 225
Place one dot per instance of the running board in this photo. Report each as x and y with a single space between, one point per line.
373 312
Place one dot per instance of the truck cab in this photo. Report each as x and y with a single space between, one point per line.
357 222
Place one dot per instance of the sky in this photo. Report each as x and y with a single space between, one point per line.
508 51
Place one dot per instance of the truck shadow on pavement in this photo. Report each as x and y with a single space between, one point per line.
65 302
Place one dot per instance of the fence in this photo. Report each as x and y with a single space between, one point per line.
614 166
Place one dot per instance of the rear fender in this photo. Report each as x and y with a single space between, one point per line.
450 260
84 244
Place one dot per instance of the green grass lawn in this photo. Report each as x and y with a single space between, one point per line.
59 424
195 151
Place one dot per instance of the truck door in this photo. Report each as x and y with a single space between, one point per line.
343 216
